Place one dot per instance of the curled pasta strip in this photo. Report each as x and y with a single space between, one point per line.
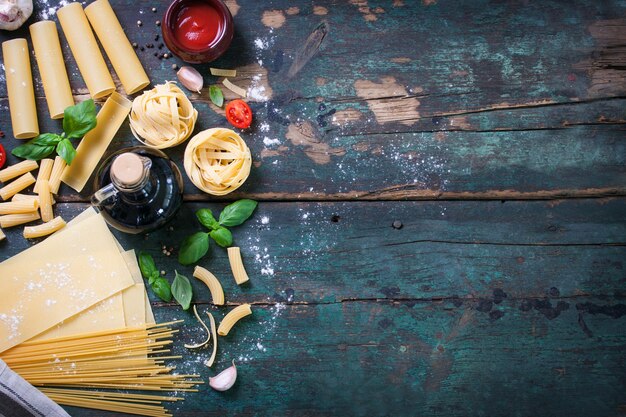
162 117
217 161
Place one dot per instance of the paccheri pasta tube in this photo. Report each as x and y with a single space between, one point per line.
94 144
117 47
217 161
85 50
20 88
162 117
51 65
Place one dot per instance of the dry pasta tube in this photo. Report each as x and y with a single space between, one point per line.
217 293
233 317
2 235
17 169
45 169
31 232
55 175
236 265
20 89
11 220
22 197
45 201
217 161
16 207
208 334
16 186
162 117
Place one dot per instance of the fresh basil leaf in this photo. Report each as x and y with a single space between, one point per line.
216 95
205 216
155 275
46 139
31 151
238 212
66 150
182 290
79 119
162 289
222 237
193 248
147 265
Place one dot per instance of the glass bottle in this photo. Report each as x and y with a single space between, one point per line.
139 189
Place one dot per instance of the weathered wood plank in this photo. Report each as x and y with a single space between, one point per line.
304 164
406 359
329 252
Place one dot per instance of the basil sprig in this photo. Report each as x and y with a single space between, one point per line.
159 284
196 246
77 121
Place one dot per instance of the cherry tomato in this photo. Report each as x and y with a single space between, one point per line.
3 156
239 114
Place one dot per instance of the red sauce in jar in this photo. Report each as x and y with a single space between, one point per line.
197 26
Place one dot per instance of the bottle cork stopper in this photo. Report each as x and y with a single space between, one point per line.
127 169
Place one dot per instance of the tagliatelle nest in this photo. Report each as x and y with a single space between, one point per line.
217 161
162 117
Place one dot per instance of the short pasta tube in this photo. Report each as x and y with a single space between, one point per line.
236 265
45 169
16 186
233 317
45 201
22 197
20 206
55 175
44 229
2 235
211 281
11 220
17 169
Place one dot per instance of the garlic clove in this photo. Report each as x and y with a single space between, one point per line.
225 379
190 78
13 13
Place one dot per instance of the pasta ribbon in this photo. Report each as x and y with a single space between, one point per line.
233 317
162 117
236 265
218 72
209 363
211 281
208 334
217 161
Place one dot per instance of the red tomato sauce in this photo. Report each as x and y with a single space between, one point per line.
198 25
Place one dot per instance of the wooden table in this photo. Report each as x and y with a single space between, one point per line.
491 133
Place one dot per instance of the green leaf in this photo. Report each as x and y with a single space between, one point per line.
182 291
238 212
193 248
147 265
222 237
79 119
155 275
46 139
216 95
66 150
205 216
31 151
162 289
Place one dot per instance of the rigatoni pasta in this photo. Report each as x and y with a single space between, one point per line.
22 197
45 201
16 186
44 229
217 292
45 169
2 235
233 317
55 175
236 265
18 169
20 206
11 220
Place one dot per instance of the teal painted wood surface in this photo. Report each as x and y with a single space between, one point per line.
512 306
